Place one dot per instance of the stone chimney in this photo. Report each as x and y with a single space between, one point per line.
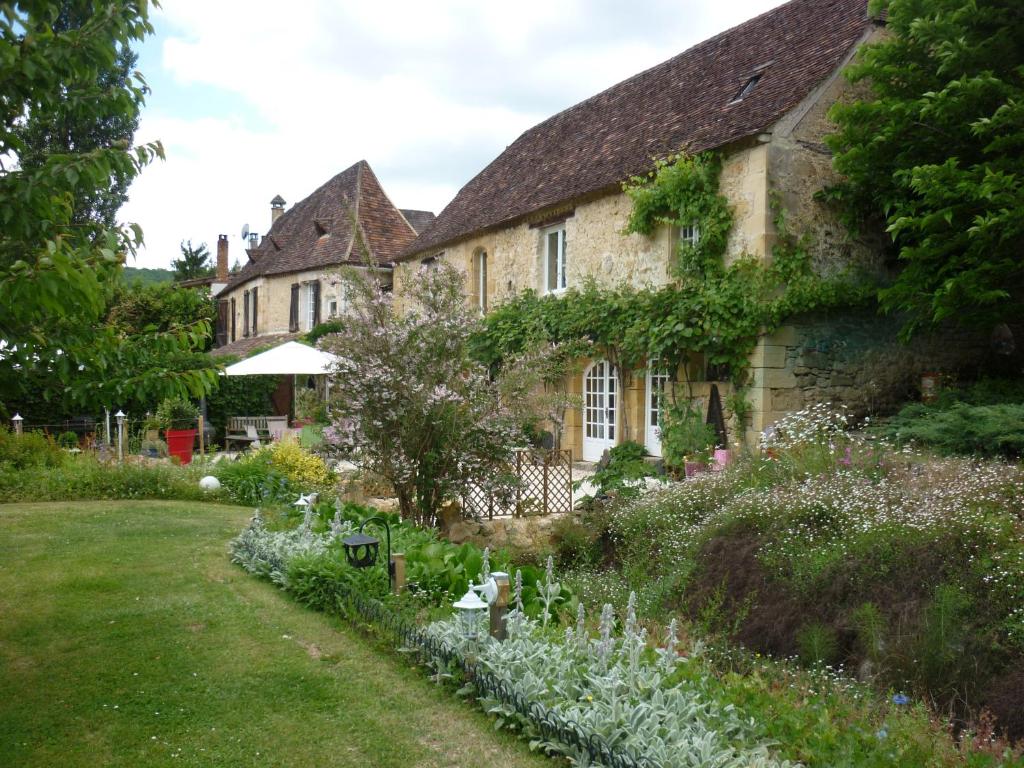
276 208
222 258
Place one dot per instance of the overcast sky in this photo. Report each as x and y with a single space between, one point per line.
254 99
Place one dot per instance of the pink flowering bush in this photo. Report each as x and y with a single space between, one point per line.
409 401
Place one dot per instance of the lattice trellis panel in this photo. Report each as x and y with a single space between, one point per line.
545 486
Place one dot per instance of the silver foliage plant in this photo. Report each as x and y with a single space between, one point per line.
606 687
268 553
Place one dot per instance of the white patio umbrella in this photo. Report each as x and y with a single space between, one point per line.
288 358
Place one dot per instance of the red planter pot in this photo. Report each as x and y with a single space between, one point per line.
180 442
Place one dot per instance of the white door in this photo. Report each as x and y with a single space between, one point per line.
600 407
656 383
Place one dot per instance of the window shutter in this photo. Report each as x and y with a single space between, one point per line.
293 309
223 307
245 314
316 303
232 319
255 295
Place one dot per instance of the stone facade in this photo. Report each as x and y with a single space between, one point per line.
274 300
853 359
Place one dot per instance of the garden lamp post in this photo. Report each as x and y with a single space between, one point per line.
120 416
17 419
361 549
471 610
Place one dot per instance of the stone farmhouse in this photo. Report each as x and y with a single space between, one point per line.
290 283
548 213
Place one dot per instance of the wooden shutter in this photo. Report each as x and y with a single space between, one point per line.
316 303
232 319
293 309
245 314
254 308
223 307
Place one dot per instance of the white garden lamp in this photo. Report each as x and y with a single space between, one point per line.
17 419
120 416
471 612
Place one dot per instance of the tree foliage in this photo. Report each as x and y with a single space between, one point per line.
410 401
937 152
194 262
56 273
54 129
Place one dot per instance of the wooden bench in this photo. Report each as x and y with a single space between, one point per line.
250 430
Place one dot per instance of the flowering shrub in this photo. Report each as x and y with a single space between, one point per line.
844 551
411 402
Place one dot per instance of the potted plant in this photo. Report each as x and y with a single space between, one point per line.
178 418
686 439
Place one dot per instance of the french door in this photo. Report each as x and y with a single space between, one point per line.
657 380
600 409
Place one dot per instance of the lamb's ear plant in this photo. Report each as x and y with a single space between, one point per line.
607 688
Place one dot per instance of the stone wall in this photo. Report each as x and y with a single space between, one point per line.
856 359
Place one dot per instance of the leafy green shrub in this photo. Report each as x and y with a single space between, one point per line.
87 478
251 483
576 543
983 430
299 466
30 449
624 473
67 440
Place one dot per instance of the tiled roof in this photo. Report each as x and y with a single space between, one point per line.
318 231
687 102
244 347
419 220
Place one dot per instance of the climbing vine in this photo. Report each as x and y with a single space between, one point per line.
712 307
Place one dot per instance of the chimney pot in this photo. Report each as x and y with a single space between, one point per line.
276 208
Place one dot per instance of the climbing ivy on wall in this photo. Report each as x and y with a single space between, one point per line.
712 308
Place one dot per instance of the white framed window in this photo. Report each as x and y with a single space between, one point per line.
332 308
310 306
555 265
690 234
481 280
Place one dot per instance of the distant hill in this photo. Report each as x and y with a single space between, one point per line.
148 276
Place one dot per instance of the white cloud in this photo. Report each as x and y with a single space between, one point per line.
428 93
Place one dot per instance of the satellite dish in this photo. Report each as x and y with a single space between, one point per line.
245 232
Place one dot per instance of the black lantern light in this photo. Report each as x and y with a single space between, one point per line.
361 549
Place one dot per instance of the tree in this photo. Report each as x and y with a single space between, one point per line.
56 129
56 273
410 401
936 152
194 262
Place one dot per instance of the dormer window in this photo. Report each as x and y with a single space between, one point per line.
746 89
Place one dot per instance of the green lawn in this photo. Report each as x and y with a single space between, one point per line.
128 638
